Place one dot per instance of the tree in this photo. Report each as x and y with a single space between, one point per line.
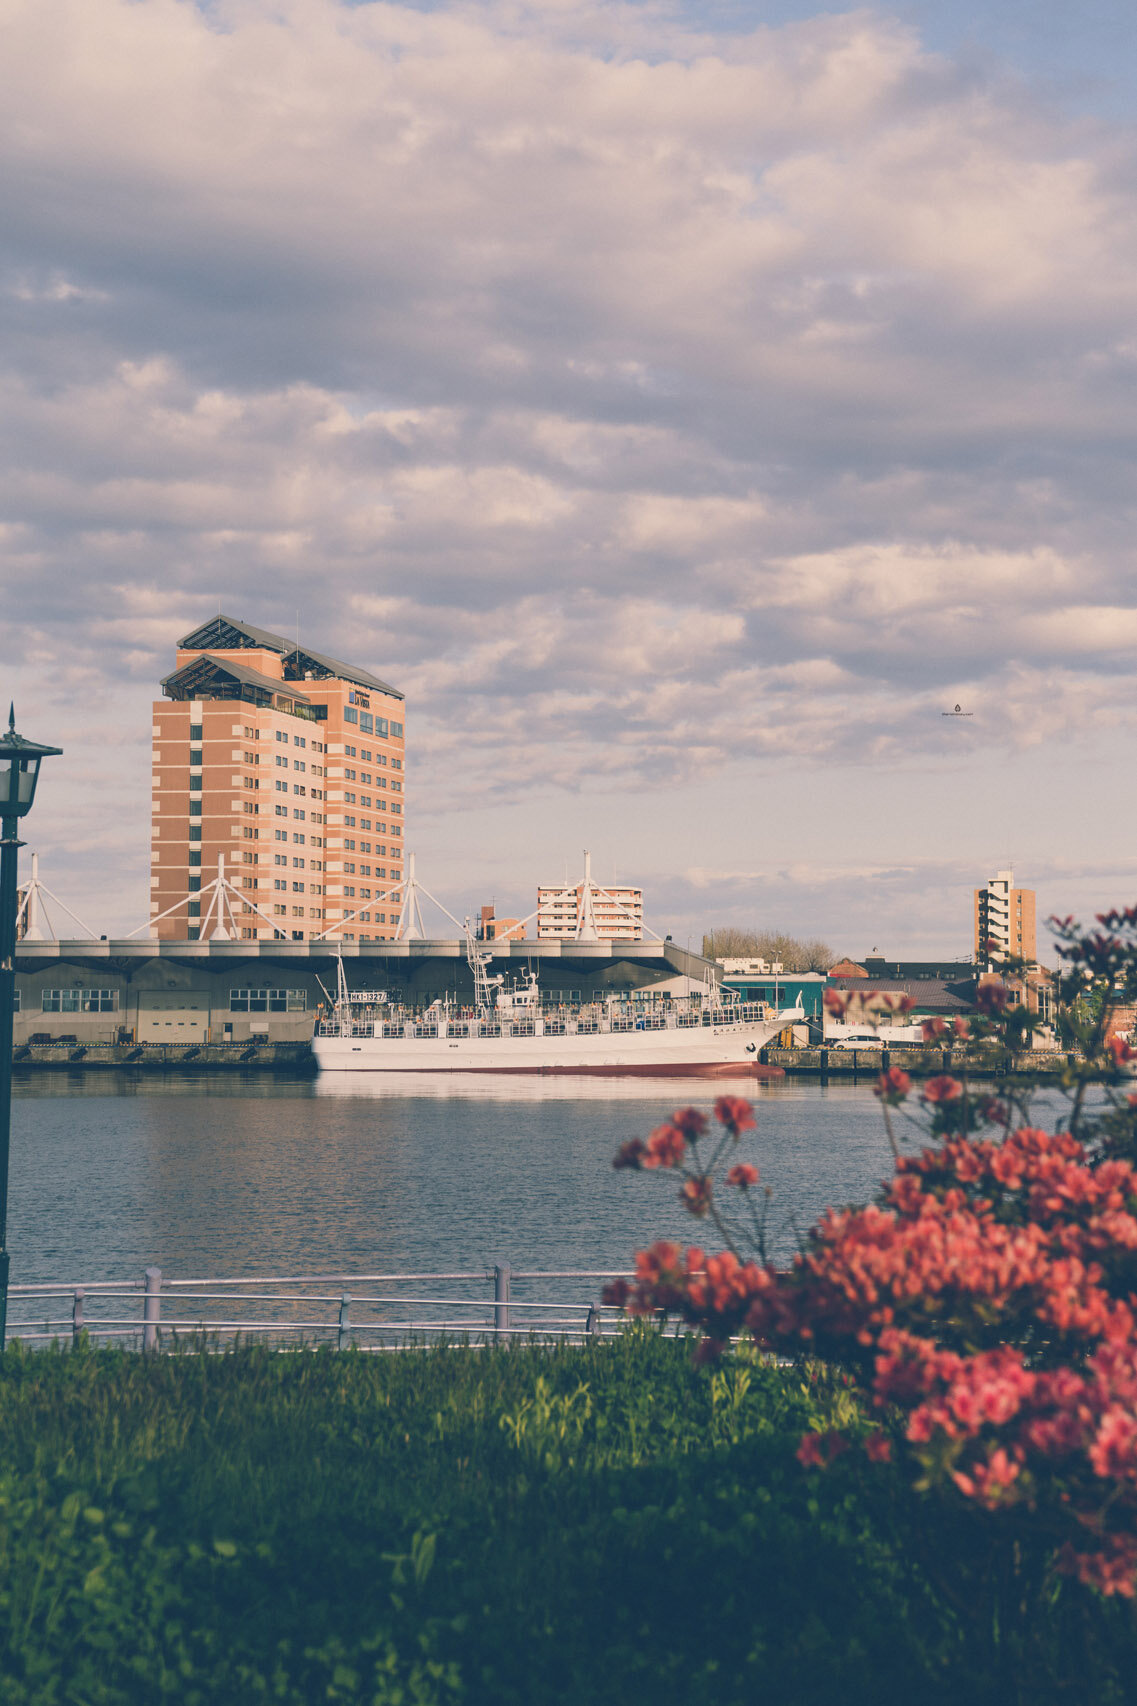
733 943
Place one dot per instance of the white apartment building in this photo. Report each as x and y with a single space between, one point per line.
617 913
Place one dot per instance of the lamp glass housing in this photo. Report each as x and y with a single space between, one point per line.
20 760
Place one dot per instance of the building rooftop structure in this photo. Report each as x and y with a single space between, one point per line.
222 633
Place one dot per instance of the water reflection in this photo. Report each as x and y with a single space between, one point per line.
520 1088
367 1173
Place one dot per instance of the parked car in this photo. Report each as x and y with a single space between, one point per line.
861 1039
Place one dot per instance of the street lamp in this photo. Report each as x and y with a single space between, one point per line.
20 760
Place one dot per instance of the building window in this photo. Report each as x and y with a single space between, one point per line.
350 714
299 740
281 811
298 888
194 885
195 733
80 1000
195 832
194 909
381 727
268 1000
195 808
280 834
279 883
349 821
296 812
396 731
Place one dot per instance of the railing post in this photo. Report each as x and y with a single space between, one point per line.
344 1336
501 1277
152 1309
77 1315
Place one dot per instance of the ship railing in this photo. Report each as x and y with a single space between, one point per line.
368 1311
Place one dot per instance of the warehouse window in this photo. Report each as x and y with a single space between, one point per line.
80 1000
268 1000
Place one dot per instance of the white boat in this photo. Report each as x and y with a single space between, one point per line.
637 1032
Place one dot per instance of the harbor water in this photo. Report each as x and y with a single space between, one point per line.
363 1173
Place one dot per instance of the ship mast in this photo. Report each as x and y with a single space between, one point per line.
483 983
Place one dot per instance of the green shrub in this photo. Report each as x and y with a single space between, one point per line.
511 1526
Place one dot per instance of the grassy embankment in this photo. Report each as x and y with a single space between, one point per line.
607 1524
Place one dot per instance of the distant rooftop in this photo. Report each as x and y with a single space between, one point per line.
940 995
223 634
876 965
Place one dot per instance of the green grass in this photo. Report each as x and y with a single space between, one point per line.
606 1524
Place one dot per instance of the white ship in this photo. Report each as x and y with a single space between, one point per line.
638 1032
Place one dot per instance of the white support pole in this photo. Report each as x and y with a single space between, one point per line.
32 930
410 926
586 930
220 934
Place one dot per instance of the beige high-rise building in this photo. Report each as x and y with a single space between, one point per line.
1005 915
617 912
290 767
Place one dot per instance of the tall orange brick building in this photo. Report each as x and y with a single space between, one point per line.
291 765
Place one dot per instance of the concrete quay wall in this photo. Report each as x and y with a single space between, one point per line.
292 1058
919 1062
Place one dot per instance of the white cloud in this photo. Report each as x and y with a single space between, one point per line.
643 401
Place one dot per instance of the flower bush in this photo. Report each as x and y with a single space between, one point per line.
985 1304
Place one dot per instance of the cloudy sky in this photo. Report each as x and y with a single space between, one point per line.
684 406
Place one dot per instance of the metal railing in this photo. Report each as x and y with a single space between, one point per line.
718 1018
376 1311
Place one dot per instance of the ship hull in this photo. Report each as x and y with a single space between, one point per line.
706 1051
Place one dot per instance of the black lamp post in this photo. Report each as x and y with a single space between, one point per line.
20 760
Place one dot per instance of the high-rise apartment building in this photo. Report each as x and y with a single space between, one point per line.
1004 915
617 913
291 765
